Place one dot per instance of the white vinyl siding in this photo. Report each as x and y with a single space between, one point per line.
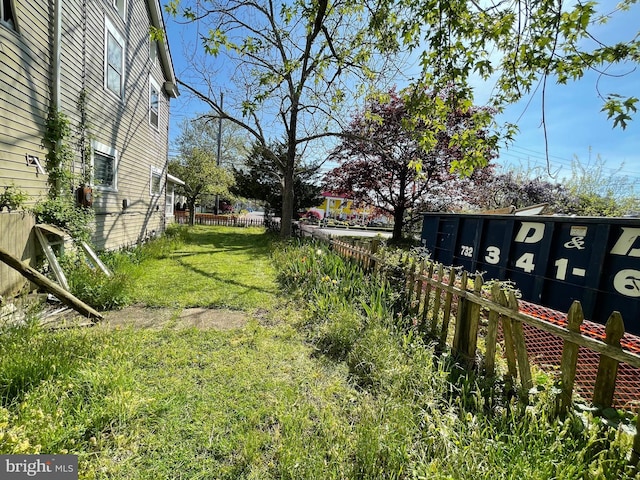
114 56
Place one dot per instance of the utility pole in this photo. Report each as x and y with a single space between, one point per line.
219 149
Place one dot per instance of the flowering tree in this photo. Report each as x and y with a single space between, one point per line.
382 161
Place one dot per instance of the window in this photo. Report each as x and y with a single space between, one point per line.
153 51
156 182
154 102
113 60
105 167
120 6
6 14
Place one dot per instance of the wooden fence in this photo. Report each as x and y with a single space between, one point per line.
16 237
182 217
436 293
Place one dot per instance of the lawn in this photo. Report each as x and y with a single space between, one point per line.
319 385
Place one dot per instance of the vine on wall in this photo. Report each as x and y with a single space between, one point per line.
60 207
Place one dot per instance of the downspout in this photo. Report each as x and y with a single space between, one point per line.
57 40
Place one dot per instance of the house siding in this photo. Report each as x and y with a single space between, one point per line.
25 57
26 76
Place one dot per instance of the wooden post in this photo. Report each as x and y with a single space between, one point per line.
36 277
608 367
427 298
411 282
509 348
521 348
491 339
447 307
635 452
575 317
461 317
436 304
470 335
419 288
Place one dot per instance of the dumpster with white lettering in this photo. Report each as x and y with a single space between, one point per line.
552 260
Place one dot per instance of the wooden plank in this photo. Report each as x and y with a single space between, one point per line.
52 259
509 347
95 259
444 333
436 304
461 317
492 331
569 360
608 367
473 321
520 345
427 296
51 287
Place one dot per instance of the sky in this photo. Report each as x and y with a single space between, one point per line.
576 128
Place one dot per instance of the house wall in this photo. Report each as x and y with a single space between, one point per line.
121 124
25 57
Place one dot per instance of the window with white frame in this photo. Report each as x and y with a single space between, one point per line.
120 6
114 55
153 51
154 103
105 166
156 182
7 16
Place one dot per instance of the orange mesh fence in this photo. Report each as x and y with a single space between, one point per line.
545 350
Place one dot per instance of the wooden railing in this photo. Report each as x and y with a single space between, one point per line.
182 217
436 293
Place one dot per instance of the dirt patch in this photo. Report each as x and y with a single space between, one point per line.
157 318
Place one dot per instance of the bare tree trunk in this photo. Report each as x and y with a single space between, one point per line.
192 211
287 203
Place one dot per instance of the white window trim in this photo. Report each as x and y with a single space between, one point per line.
155 171
11 26
153 52
122 14
109 28
156 85
111 152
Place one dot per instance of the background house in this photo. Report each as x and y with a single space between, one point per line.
96 61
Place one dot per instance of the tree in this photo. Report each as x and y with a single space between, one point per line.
203 133
519 43
291 64
383 163
261 179
201 176
519 189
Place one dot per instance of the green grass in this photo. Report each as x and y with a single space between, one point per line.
215 267
329 388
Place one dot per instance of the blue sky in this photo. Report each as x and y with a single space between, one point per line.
575 125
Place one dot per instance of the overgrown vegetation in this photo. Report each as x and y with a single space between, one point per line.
60 207
324 386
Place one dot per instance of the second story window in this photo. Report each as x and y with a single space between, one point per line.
6 14
154 103
120 6
114 60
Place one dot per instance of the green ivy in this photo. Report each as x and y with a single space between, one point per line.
61 208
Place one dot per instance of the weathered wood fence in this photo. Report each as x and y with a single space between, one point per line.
436 293
182 217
